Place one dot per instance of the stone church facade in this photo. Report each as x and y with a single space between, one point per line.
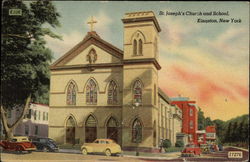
100 91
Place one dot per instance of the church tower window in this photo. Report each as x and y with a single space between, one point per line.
135 47
112 93
137 92
71 94
91 92
137 131
140 47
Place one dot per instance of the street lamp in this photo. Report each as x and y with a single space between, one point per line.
137 129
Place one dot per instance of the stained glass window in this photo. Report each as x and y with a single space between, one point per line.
112 93
137 92
135 47
140 47
91 92
71 94
136 131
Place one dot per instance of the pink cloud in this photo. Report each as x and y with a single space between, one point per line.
205 88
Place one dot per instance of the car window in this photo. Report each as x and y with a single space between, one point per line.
43 140
96 141
13 140
107 142
102 142
25 139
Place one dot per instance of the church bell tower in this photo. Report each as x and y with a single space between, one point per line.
140 78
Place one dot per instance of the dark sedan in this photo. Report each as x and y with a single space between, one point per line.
45 144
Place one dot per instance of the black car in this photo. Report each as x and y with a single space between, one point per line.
45 144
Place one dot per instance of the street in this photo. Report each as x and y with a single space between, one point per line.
73 157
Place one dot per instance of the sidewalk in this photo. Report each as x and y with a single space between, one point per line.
143 155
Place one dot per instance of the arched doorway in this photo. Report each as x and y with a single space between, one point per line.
90 129
112 129
70 131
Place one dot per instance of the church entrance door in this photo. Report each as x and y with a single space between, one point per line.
70 135
70 131
112 129
90 129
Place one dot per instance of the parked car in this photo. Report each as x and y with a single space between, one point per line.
220 147
45 144
100 146
205 148
19 144
191 150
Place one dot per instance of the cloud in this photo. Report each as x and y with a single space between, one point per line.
60 47
102 27
175 32
231 46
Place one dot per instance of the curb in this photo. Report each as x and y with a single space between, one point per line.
69 151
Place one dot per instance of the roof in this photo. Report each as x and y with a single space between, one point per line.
200 131
141 16
210 129
39 104
179 98
164 96
90 38
191 104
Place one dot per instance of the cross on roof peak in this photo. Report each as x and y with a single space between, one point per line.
91 23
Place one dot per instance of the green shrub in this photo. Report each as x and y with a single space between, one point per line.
166 143
174 149
179 143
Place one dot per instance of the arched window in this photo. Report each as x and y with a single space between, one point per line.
71 94
191 124
191 112
112 93
137 92
140 47
135 47
91 92
137 131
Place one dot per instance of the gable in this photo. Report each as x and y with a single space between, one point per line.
102 56
106 53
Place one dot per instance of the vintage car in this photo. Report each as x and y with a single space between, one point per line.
191 150
19 144
100 146
44 144
205 148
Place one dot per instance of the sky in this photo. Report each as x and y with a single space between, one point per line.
207 62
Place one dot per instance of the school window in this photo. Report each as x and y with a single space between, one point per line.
36 130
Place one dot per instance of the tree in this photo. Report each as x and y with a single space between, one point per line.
208 122
201 120
228 134
24 58
219 128
234 135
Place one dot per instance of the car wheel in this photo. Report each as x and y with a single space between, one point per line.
19 149
29 152
84 151
108 152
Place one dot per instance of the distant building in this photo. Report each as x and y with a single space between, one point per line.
189 115
35 122
170 119
201 136
210 134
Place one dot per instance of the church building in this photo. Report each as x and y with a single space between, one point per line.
100 91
